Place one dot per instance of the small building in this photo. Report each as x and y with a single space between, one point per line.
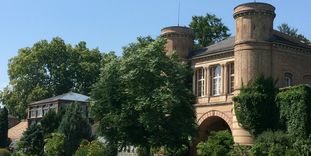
36 110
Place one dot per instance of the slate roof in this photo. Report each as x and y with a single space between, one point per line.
71 96
227 45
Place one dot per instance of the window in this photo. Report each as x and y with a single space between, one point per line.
307 79
33 113
216 80
288 79
39 112
200 82
231 77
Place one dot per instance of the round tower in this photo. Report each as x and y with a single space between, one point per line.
179 39
252 52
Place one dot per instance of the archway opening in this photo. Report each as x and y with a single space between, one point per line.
210 124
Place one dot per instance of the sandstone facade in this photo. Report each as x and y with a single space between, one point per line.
222 68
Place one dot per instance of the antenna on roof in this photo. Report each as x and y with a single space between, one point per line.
178 12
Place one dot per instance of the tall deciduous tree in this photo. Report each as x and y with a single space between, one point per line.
208 30
75 127
47 69
144 98
3 127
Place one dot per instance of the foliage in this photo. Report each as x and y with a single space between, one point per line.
55 145
295 110
75 127
208 30
32 142
50 122
295 115
284 28
272 143
218 143
4 152
240 150
95 148
4 127
47 69
255 106
144 98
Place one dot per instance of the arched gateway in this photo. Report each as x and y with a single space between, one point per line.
212 121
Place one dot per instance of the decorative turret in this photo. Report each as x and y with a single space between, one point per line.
179 39
252 51
254 22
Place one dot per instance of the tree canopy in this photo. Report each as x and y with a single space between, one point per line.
47 69
144 98
286 29
208 30
75 127
4 125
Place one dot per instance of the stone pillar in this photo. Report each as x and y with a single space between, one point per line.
208 81
226 78
222 79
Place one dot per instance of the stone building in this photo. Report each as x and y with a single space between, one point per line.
221 68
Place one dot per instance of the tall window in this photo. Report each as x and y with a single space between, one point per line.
231 77
288 79
307 79
216 80
200 82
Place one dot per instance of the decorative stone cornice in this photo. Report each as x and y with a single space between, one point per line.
253 12
294 49
224 54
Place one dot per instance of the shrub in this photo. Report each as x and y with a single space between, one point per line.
295 110
218 143
54 146
272 143
255 106
239 150
4 152
95 148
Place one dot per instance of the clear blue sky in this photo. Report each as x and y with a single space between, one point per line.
112 24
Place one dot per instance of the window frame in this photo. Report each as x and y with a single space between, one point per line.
216 80
200 82
288 79
231 75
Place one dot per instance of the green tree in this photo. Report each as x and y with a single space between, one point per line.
255 106
218 144
32 141
50 122
47 69
4 127
284 28
144 98
208 30
55 145
75 127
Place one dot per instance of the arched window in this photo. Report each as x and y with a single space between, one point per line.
307 79
288 79
200 75
216 80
